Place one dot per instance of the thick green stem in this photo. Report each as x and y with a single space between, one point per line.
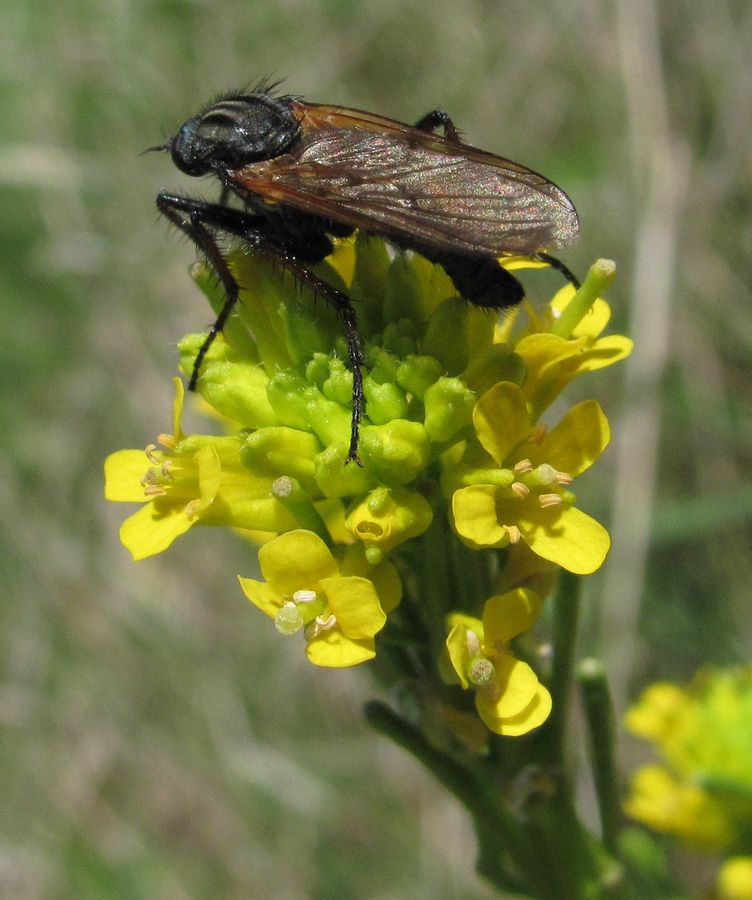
434 576
566 617
600 719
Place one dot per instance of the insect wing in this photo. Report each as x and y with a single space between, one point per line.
385 177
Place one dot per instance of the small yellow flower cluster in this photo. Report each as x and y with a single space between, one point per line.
702 789
452 448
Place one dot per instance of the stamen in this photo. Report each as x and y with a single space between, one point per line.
303 597
151 455
524 465
319 624
547 500
522 490
153 490
191 508
564 478
166 440
514 533
473 643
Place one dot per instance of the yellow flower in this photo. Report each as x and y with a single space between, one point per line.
339 606
673 806
509 698
515 484
387 517
735 879
194 480
553 361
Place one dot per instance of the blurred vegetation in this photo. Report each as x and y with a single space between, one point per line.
154 742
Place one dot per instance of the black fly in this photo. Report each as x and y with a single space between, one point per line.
307 173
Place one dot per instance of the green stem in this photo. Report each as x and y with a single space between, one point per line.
566 617
599 715
434 577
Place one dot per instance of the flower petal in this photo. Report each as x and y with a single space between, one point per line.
456 644
593 323
296 561
568 537
577 441
209 475
501 420
333 650
518 685
148 532
123 472
534 714
261 595
605 352
507 615
474 513
355 604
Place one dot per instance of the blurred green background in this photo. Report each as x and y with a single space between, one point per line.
157 741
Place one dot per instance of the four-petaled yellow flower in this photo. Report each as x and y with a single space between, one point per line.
514 483
340 606
509 698
195 479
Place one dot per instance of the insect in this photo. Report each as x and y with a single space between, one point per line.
305 173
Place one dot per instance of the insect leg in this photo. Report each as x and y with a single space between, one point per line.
344 308
437 118
191 217
559 266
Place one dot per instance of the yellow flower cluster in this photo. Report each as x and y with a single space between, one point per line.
702 789
451 436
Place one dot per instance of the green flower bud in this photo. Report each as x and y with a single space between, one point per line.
282 451
397 451
384 402
234 386
415 374
235 332
400 338
300 405
449 408
445 336
336 479
457 333
372 263
499 363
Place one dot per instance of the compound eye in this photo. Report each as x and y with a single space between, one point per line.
187 150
